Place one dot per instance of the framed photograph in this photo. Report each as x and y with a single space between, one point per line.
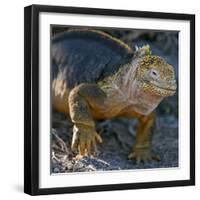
109 99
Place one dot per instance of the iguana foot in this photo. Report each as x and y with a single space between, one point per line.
85 139
143 155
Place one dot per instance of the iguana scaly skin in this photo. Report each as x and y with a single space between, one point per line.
96 76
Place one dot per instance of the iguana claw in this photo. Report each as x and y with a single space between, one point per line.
85 139
143 155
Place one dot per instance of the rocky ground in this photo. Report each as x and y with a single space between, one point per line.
119 134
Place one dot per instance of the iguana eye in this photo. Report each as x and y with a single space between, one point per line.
154 74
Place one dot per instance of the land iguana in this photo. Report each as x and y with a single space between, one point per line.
96 76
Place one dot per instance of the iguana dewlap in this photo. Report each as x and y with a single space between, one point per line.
96 76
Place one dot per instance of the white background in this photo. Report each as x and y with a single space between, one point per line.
11 99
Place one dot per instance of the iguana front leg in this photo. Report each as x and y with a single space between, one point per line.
142 149
81 100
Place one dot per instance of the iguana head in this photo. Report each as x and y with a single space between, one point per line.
156 75
143 83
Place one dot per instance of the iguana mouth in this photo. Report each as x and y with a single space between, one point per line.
165 88
162 88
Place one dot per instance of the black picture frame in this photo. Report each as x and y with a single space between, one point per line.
31 98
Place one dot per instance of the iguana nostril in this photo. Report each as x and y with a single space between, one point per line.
173 84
